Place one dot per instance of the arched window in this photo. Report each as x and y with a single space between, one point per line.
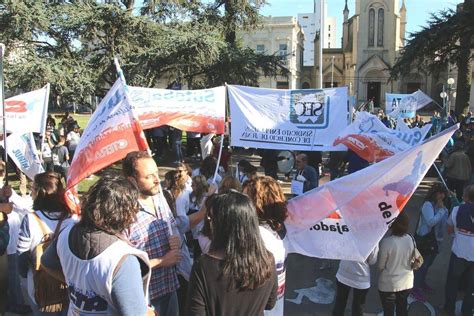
371 26
380 27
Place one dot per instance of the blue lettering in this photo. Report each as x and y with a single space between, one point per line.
210 97
21 158
93 303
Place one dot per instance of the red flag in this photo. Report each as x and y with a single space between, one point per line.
110 135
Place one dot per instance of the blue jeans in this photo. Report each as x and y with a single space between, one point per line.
166 305
15 296
420 274
459 268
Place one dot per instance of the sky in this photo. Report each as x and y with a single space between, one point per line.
418 11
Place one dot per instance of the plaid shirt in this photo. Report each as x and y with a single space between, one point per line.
150 233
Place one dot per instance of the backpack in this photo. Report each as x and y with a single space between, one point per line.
51 295
55 155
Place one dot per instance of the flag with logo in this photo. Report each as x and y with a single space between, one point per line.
108 137
345 218
27 112
22 150
287 119
405 105
201 111
370 139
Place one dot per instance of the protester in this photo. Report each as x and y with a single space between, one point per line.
230 183
46 153
197 198
270 203
193 144
19 206
226 153
4 232
269 162
156 231
458 169
337 164
208 168
355 276
50 211
61 157
306 177
461 264
396 274
72 140
176 144
160 145
96 258
433 213
237 276
247 171
185 172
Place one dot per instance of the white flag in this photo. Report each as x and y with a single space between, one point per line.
405 105
22 150
345 218
369 138
27 112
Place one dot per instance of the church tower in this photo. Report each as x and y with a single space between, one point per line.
378 43
403 22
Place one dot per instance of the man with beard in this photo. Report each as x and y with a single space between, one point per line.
155 232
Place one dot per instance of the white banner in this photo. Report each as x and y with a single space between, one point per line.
369 138
287 119
22 150
189 110
27 112
345 218
405 105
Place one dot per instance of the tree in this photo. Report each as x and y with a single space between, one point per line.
448 38
71 44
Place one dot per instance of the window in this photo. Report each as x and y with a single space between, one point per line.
260 48
371 27
380 27
283 49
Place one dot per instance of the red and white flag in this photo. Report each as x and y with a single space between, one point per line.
108 137
201 111
369 138
345 218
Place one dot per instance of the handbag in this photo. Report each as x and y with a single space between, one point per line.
416 259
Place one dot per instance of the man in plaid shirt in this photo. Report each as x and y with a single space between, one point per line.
155 232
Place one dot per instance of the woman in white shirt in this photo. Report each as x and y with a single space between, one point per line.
50 210
396 276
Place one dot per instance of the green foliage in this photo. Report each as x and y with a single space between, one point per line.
71 44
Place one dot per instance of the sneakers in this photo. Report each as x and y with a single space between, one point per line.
418 295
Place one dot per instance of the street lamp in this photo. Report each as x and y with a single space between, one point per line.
446 94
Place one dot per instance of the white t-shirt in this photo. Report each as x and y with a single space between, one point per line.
463 242
275 245
21 207
73 139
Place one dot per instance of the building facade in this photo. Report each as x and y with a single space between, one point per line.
284 36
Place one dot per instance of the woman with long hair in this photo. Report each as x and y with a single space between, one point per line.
431 220
49 211
198 196
271 208
237 276
230 183
396 274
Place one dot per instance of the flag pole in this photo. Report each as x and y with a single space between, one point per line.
5 156
135 122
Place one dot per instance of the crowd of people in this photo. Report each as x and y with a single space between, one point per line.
191 245
207 241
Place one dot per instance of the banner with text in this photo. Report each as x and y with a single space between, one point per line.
27 112
345 218
189 110
287 119
405 105
22 150
108 137
370 139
